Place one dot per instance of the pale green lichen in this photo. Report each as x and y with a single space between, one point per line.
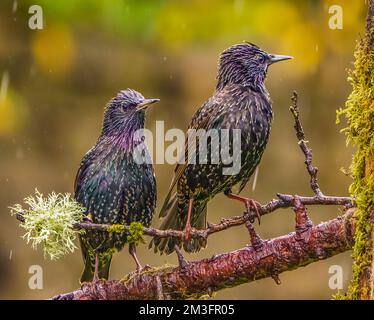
359 113
49 222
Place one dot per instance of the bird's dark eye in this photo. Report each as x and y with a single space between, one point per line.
126 106
260 58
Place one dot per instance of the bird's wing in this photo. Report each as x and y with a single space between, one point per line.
84 165
201 120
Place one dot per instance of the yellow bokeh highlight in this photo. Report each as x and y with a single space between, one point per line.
9 115
53 49
304 44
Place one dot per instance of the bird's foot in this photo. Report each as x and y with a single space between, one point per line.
132 251
141 269
250 206
187 232
95 278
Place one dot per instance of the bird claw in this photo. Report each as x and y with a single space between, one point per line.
252 205
140 269
146 267
187 232
95 278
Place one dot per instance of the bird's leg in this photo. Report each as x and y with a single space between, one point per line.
96 272
187 228
132 251
249 203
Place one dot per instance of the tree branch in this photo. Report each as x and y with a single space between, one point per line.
284 201
268 258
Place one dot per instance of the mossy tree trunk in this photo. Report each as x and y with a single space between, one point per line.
359 113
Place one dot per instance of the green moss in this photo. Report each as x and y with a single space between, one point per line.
359 113
116 228
135 235
339 296
135 231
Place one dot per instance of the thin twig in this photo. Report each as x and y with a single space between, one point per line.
284 201
303 143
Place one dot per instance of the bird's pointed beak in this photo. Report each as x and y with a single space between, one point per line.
277 57
145 103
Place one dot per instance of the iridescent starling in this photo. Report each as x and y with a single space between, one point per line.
240 101
112 185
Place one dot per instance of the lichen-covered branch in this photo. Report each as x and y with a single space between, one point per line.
359 113
264 258
283 201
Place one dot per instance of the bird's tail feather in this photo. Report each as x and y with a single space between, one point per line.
89 264
173 221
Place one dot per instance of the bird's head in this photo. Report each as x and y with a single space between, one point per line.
245 64
126 112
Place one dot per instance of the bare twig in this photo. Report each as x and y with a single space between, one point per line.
284 201
303 143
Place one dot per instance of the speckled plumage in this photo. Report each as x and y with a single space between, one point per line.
112 187
240 101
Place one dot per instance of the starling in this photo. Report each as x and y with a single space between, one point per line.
242 102
113 186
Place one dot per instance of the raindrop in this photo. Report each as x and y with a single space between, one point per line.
10 254
255 179
15 5
4 86
165 58
19 154
32 70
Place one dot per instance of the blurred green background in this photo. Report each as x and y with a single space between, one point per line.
55 83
